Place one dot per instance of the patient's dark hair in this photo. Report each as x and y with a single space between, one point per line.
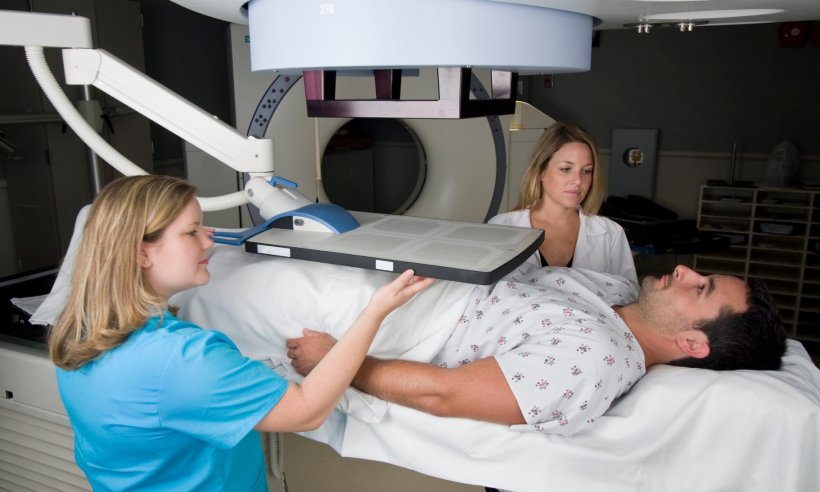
754 339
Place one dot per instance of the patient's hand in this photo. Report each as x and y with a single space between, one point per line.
308 350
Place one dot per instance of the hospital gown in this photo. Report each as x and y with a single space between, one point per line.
563 350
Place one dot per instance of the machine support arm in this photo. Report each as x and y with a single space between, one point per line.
85 66
111 75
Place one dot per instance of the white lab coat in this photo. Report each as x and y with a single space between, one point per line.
601 244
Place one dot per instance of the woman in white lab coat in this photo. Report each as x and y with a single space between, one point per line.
561 193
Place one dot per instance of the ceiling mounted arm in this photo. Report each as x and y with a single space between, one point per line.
96 67
129 86
44 30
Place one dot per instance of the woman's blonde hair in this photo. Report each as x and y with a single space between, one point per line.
553 138
109 298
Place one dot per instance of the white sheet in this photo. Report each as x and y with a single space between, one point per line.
50 308
260 301
678 429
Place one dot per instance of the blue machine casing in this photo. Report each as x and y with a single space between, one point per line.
327 216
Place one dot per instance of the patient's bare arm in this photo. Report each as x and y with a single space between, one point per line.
477 390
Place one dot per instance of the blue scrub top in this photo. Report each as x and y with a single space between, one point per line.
172 408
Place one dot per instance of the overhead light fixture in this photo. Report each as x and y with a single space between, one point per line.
709 14
686 21
683 26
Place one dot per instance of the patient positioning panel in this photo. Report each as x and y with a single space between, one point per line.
444 249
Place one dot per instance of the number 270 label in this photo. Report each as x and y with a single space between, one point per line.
326 8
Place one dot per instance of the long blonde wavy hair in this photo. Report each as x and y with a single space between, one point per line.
109 298
553 138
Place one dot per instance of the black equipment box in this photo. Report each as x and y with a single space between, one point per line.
653 229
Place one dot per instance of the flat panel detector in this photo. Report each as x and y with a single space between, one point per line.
444 249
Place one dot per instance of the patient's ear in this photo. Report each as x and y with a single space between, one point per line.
693 343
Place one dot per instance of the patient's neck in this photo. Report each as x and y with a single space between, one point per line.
657 348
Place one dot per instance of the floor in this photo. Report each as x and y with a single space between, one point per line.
309 465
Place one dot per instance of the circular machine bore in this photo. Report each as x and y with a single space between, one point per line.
374 165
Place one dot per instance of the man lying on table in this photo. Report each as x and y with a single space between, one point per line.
551 349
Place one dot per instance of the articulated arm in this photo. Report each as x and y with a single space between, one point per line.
85 66
113 76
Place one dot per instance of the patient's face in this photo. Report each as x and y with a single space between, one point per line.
678 300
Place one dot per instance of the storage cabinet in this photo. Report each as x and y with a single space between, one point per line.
775 236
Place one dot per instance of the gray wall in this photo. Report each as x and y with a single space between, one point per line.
188 53
703 89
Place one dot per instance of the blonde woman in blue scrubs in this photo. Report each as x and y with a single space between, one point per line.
561 192
158 403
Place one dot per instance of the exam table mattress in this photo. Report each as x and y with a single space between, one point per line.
679 429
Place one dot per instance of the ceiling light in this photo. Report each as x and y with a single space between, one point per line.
683 26
709 14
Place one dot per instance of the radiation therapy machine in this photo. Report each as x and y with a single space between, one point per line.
454 251
678 429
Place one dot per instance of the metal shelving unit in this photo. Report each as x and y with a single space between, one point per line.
775 236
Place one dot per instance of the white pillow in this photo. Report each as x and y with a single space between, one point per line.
52 306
